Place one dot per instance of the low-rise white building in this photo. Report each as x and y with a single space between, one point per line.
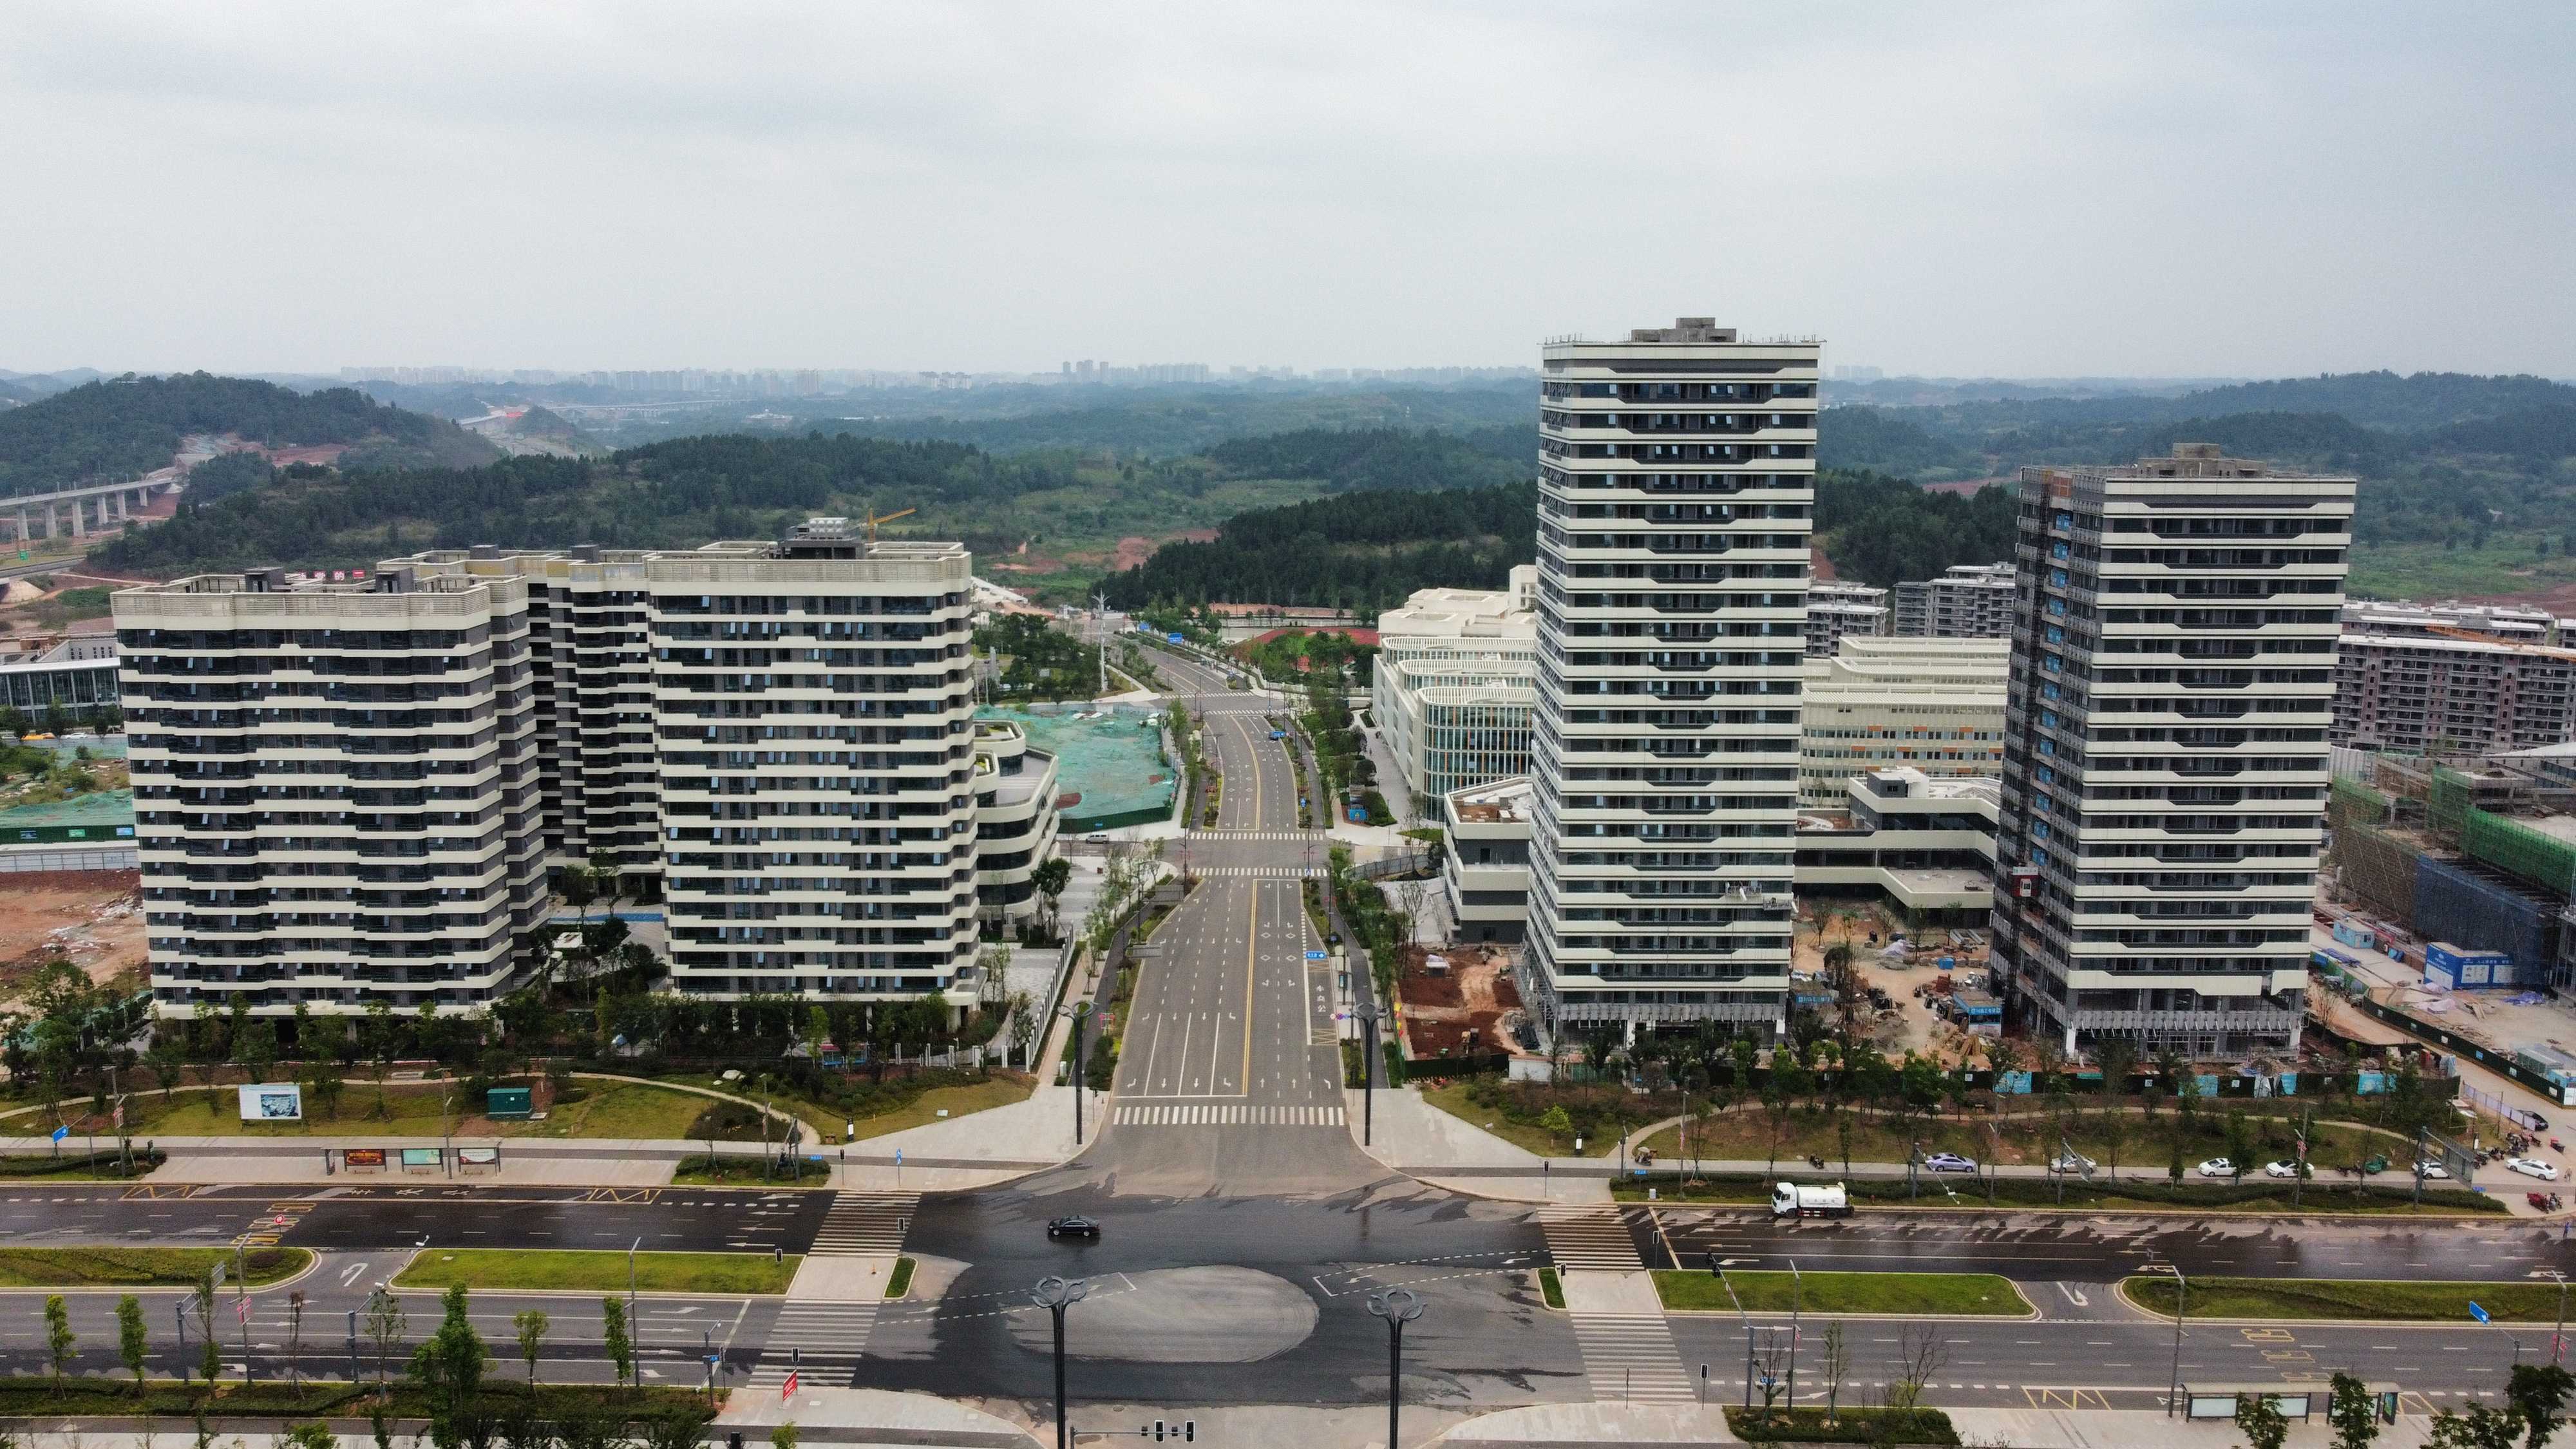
1836 609
1935 705
1456 674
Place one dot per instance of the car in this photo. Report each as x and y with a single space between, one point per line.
1950 1162
1096 838
2071 1162
2431 1170
2533 1167
2287 1168
2216 1167
1073 1227
2537 1123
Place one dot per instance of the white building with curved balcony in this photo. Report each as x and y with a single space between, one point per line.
1015 820
1452 685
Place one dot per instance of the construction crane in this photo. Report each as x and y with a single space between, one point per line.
875 518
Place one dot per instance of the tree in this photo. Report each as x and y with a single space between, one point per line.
1776 1106
579 887
167 1061
2118 1060
382 1040
784 1436
449 1363
2259 1419
59 1338
1557 1124
2240 1144
531 1324
312 1434
2112 1127
1920 1357
210 1356
2004 1058
386 1324
2479 1428
133 1343
2538 1392
324 1082
613 1339
255 1050
2353 1412
1836 1366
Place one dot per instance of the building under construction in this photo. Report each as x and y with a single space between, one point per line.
2449 682
2482 858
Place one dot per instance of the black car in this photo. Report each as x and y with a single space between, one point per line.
1073 1227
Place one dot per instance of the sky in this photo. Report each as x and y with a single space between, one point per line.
1997 189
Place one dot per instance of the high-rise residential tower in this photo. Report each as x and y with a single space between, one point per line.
2165 757
1676 482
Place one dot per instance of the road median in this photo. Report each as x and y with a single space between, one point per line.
554 1270
79 1268
2353 1300
1911 1295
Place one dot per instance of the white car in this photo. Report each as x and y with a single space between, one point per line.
2284 1168
2071 1162
1950 1162
2216 1167
2533 1167
2431 1169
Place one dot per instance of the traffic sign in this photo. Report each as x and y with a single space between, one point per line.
787 1390
1316 956
2477 1313
62 1132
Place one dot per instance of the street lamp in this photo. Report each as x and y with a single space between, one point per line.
1369 1016
1797 1302
1055 1295
1398 1306
1075 1014
1717 1265
2182 1300
634 1320
2558 1335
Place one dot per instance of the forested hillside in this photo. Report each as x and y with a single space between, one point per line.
1878 529
1363 550
124 428
1384 457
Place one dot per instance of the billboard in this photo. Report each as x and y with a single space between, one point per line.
272 1102
362 1157
417 1157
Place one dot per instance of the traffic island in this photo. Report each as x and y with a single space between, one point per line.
1846 1426
550 1270
1911 1295
2347 1300
144 1267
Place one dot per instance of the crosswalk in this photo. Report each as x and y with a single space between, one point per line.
1265 834
1630 1358
1220 1114
1590 1235
1266 872
821 1341
860 1223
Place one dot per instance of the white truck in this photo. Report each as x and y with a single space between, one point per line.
1804 1200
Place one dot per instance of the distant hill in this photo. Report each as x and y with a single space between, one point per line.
1362 550
129 426
1171 424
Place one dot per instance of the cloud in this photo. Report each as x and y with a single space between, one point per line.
2021 189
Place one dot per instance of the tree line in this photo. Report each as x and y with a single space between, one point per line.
111 430
1364 550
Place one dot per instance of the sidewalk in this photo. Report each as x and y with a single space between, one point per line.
1415 1138
1579 1426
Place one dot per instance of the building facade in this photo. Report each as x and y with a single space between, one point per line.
1935 705
1837 610
2451 679
75 676
1968 601
1452 685
1676 488
2165 766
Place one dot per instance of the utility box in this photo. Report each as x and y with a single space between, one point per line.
507 1102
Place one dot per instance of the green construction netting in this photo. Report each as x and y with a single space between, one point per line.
99 807
2354 803
2448 806
2517 849
1114 763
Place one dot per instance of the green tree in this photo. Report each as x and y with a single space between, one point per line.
449 1363
59 1338
133 1343
531 1324
2241 1144
1050 878
613 1339
210 1360
2538 1392
324 1082
312 1434
2479 1428
255 1049
2260 1420
2353 1412
784 1436
1557 1123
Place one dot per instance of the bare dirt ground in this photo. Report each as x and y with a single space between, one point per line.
1440 1012
92 917
1913 1028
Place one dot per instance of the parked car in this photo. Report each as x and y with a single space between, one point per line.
2216 1167
2287 1168
1949 1162
1073 1227
2431 1169
2534 1167
2071 1162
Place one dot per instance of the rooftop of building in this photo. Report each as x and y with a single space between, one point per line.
1493 802
1905 782
1685 332
2201 461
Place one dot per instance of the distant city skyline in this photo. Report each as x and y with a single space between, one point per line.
2008 190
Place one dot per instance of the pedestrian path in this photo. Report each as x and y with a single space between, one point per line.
1630 1358
1219 1114
1591 1236
861 1223
821 1342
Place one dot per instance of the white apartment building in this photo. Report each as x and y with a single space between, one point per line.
821 815
1838 610
2165 769
1968 601
1935 705
1676 491
1454 676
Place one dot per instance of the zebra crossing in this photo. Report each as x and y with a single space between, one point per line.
860 1223
1591 1236
1220 1114
1630 1358
821 1341
1266 872
1264 834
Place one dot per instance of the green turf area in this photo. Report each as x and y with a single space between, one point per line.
744 1170
605 1109
1966 1294
77 1166
827 1124
2354 1298
1453 1099
551 1270
1551 1287
900 1282
2132 1142
142 1267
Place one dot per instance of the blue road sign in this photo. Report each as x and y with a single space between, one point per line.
898 1157
2477 1313
62 1132
1315 956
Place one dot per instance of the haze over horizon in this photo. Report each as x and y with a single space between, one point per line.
2023 191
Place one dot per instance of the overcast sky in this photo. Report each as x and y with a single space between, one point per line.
1962 189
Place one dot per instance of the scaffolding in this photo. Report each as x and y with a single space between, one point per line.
2447 804
2510 846
2378 869
2350 802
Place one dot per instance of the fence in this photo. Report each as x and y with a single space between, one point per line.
1392 865
2493 1059
112 857
2488 1102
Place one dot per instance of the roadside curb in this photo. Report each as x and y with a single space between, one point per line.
312 1265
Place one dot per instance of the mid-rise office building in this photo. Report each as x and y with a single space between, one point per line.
1934 705
75 677
2165 761
1452 685
1968 601
354 792
1838 610
1676 488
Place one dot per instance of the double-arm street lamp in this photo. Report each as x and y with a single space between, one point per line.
1398 1306
2182 1298
1055 1295
1369 1016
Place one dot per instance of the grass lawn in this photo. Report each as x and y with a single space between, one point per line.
899 1282
1850 1425
1452 1099
141 1267
998 1089
75 1167
1551 1288
1744 1134
744 1170
605 1272
2356 1299
1967 1294
606 1109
